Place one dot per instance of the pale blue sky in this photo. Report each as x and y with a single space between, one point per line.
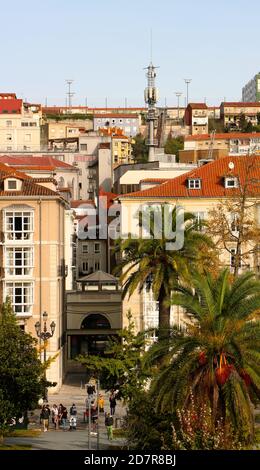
104 44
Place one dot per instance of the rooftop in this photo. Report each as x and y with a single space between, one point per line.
211 176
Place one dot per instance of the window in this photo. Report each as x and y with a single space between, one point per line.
200 217
85 249
24 124
27 138
97 265
19 261
194 184
231 182
97 248
18 225
234 223
85 266
12 184
21 295
33 124
8 123
84 147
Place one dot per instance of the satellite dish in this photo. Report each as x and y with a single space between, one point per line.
231 166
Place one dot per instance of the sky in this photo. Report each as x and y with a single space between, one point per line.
104 45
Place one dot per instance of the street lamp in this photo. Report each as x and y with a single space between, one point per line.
178 94
45 335
187 81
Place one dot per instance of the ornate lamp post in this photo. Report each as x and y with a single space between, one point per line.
45 335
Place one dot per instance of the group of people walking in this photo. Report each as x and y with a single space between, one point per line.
59 417
62 419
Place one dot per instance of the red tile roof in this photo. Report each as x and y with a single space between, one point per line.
211 176
240 104
116 115
225 136
44 162
10 106
81 202
198 105
8 95
29 186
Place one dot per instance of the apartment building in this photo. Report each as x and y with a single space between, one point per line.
197 191
230 113
129 123
214 146
32 254
19 124
196 117
251 91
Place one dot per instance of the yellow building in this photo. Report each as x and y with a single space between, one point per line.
121 150
19 124
198 192
32 254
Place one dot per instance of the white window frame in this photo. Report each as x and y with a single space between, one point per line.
194 183
9 226
12 266
230 179
25 306
98 250
85 248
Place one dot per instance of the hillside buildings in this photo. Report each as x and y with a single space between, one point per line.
19 124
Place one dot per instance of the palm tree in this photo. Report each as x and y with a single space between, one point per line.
146 262
218 358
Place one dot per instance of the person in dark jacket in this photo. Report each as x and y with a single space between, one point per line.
112 402
109 421
45 415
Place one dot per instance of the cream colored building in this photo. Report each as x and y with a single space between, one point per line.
32 252
198 192
231 111
19 124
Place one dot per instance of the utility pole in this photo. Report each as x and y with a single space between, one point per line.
187 81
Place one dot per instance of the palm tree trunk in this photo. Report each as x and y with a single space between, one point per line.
164 313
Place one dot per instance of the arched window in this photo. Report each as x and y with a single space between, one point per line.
95 321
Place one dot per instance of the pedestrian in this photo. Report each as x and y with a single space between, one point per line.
109 421
44 416
94 416
112 402
101 403
55 416
73 422
64 417
73 410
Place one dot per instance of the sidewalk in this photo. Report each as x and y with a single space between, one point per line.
73 391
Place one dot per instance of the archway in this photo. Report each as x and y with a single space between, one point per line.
95 321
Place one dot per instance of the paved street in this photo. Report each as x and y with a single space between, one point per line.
73 391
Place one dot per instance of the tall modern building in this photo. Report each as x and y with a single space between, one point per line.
251 91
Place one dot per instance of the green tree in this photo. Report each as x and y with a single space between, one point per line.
242 122
148 262
140 149
21 371
173 145
217 358
122 365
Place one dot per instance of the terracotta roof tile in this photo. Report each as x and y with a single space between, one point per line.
31 161
211 176
225 136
